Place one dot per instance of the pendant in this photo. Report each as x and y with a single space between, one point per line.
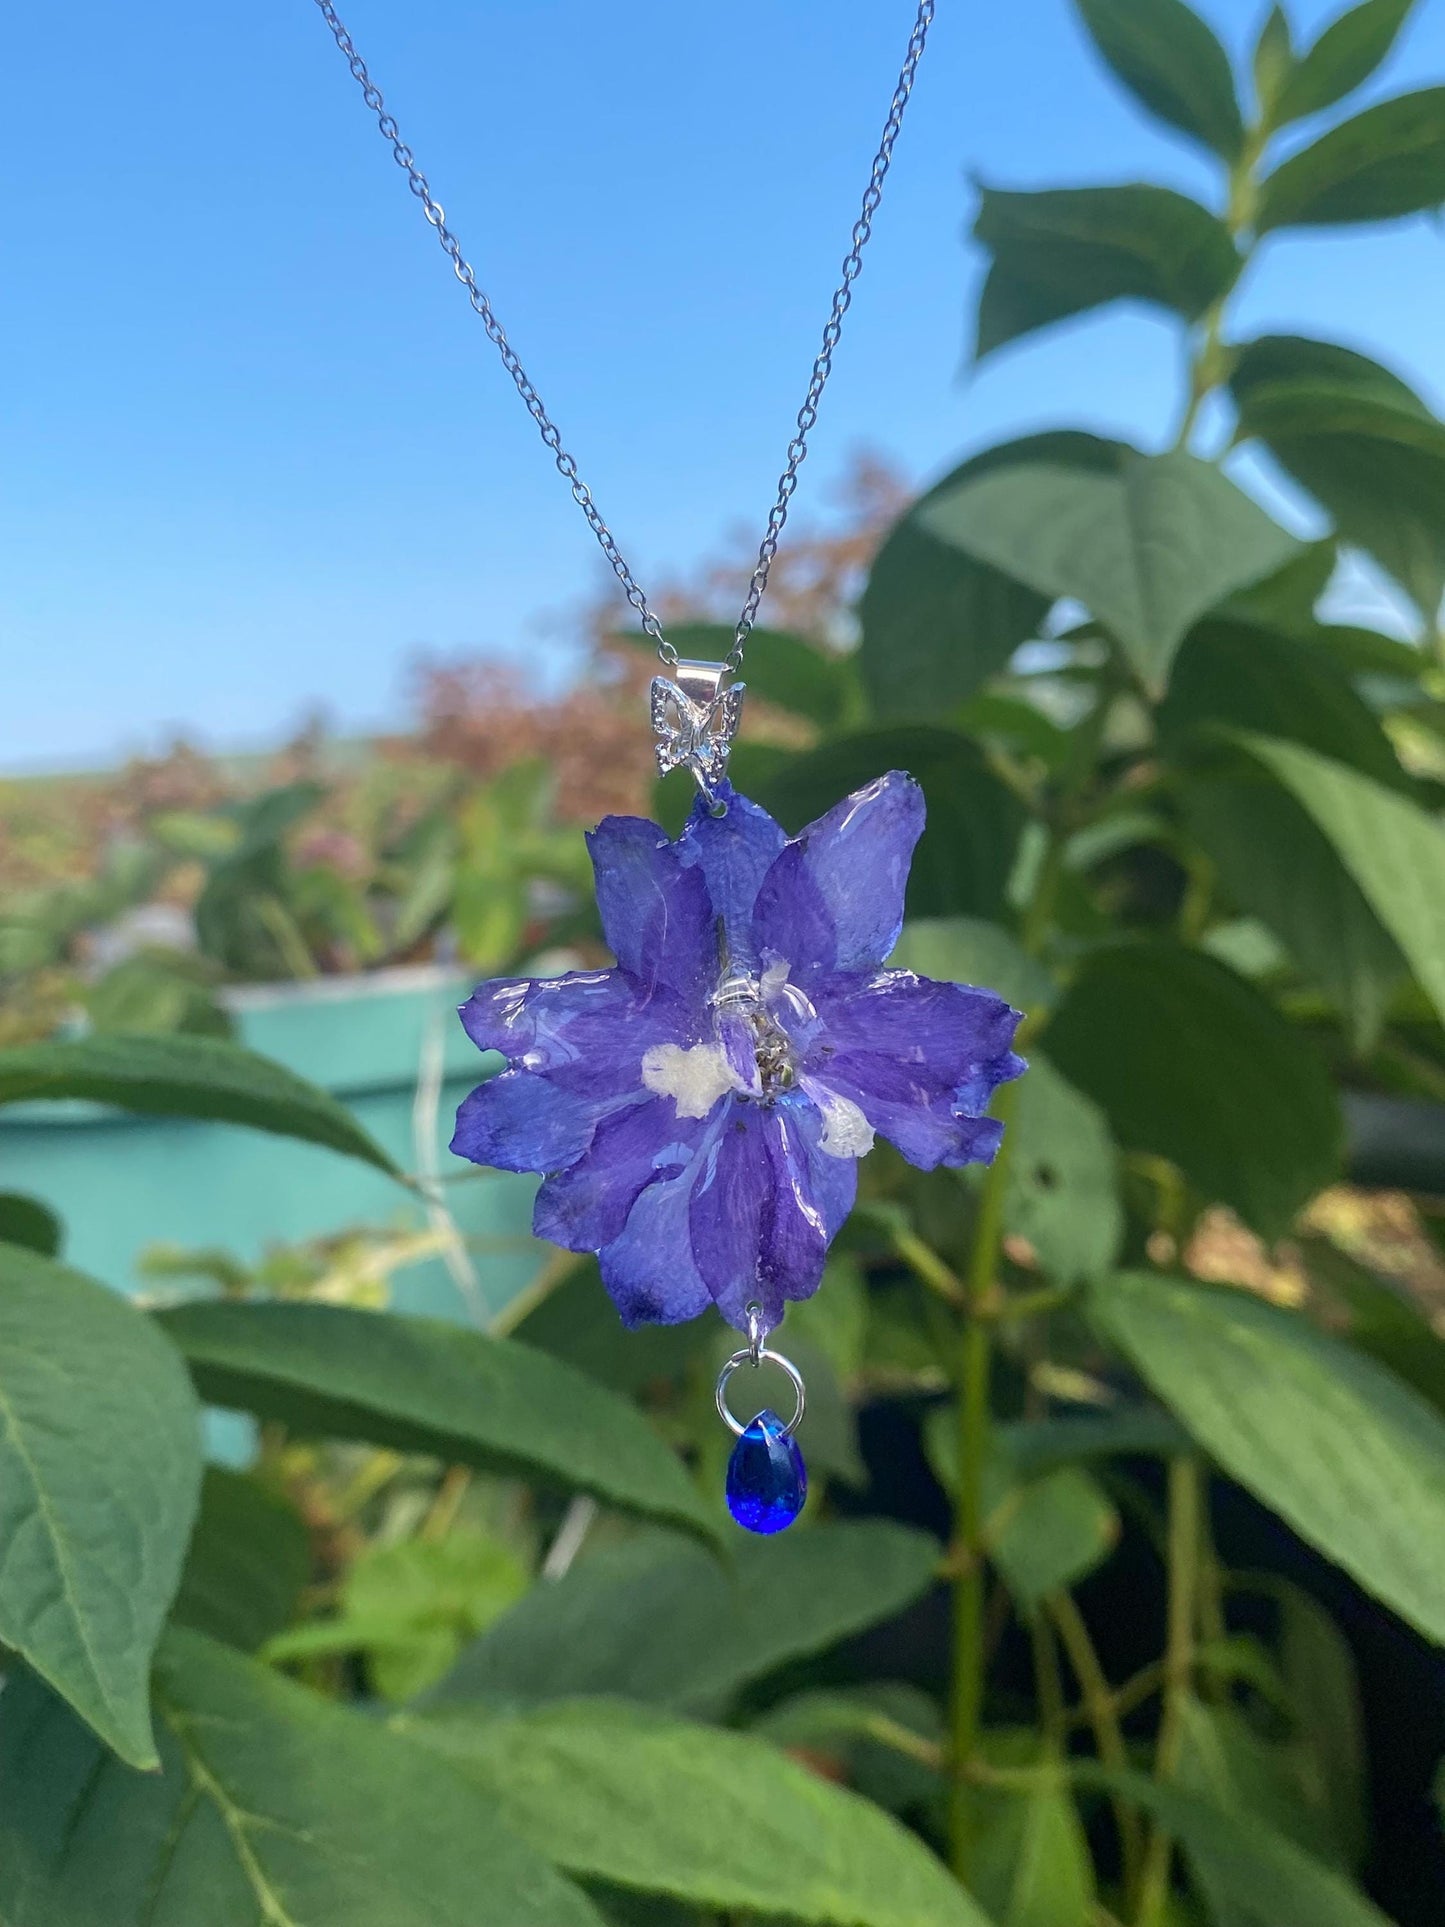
767 1480
698 1110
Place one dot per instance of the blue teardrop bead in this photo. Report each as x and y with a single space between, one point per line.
767 1479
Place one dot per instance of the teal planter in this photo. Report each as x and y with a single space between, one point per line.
120 1183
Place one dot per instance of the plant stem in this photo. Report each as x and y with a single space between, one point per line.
1049 1685
1102 1711
926 1265
1207 364
974 1375
1185 1508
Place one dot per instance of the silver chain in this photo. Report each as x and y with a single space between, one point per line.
551 435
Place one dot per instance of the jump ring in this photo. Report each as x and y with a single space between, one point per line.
745 1357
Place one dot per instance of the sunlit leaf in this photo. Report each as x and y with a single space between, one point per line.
1171 61
420 1385
1064 251
1342 59
936 623
1340 1448
199 1077
273 1808
1361 442
585 1782
660 1620
1387 162
100 1467
1392 849
1148 548
1188 1061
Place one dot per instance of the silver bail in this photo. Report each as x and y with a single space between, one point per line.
695 716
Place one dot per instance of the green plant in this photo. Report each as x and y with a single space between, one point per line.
483 1653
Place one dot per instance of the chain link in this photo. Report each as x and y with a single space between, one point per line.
551 435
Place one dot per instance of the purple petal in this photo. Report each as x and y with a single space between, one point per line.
766 1205
521 1122
656 913
734 852
920 1059
587 1031
649 1269
833 900
587 1206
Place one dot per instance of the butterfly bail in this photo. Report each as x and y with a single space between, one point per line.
695 716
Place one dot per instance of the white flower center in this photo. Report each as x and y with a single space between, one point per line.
846 1132
694 1076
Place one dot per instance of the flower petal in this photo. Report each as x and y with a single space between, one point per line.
767 1204
920 1060
656 913
833 900
734 852
521 1122
649 1269
586 1206
587 1031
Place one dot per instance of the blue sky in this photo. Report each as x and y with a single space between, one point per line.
258 452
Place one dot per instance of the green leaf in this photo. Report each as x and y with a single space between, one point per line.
1190 1062
1139 1431
965 950
1031 1865
710 1628
1342 59
1232 675
1271 1880
783 669
1385 163
937 623
963 860
1043 1530
1273 62
1047 1533
1392 849
577 1322
887 1735
1148 547
1362 443
410 1607
1337 1446
1062 1191
187 1077
275 1808
1285 601
1275 865
1226 1760
1319 1678
1064 251
249 1557
100 1465
747 1830
419 1385
1173 64
26 1221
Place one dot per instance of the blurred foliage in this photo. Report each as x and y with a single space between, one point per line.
1129 1452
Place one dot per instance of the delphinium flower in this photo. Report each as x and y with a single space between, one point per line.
699 1110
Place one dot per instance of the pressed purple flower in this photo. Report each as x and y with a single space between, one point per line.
699 1110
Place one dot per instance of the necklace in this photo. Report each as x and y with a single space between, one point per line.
697 1112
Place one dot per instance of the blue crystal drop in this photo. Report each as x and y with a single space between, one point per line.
767 1479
